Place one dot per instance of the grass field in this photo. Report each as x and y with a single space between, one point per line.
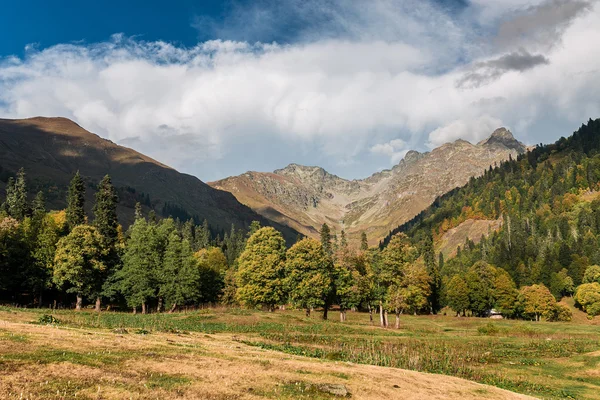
223 354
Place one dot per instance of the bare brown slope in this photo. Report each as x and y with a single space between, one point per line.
306 197
52 149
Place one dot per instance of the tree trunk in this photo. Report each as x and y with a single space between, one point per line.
135 310
385 318
397 319
371 314
172 310
381 318
98 304
160 305
54 304
308 312
143 307
40 300
79 303
325 311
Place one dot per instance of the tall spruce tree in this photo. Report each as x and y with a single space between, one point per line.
326 240
434 274
76 202
137 279
16 196
364 243
180 274
105 213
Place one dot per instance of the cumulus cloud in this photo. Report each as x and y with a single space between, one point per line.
472 130
338 95
395 149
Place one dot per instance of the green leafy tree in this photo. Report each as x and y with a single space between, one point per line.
76 202
390 269
410 292
350 281
78 263
14 254
310 276
457 295
536 300
591 274
505 293
261 270
480 279
212 266
559 313
587 297
561 284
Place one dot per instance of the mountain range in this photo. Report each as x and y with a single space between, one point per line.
51 150
293 199
305 197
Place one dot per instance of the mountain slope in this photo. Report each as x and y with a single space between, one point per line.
52 149
534 216
306 197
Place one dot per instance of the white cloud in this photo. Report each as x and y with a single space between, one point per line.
332 100
395 149
472 130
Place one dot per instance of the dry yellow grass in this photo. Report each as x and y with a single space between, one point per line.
45 362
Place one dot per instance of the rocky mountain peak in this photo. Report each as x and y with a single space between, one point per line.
504 138
412 156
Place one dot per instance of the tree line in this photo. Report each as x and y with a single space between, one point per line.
545 249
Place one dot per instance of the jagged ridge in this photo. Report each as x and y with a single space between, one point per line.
305 197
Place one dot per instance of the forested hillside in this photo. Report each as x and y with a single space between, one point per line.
548 202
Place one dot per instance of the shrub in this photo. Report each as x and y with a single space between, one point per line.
48 319
559 313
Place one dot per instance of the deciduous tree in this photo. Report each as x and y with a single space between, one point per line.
261 270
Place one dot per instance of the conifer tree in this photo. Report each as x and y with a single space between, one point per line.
137 279
76 202
179 281
326 240
38 207
364 243
434 273
16 196
105 212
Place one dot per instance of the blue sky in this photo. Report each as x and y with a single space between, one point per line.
215 88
